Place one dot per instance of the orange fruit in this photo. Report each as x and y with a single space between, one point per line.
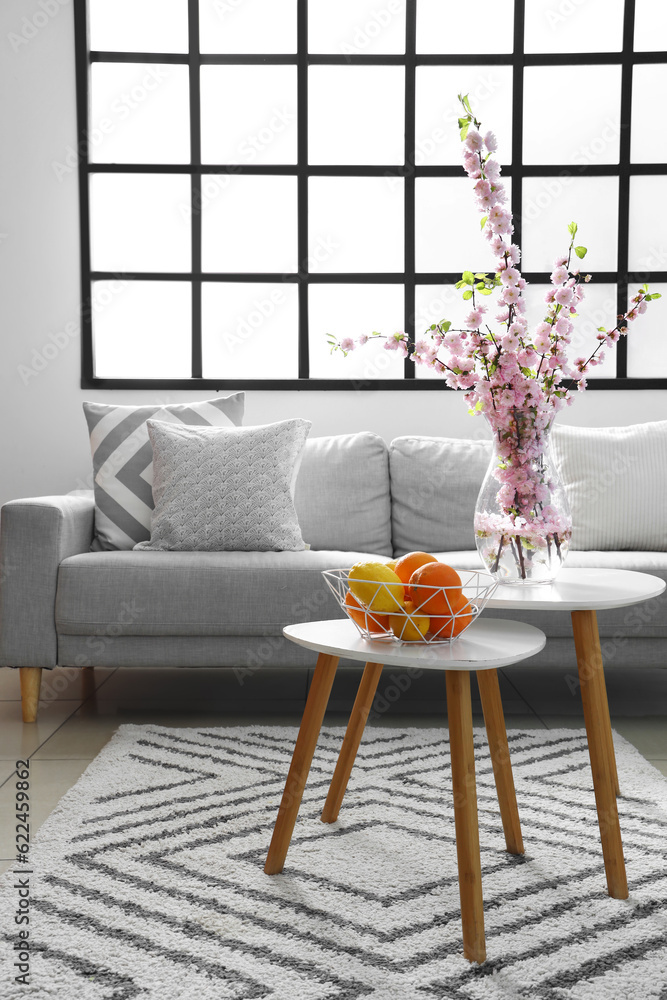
407 564
368 620
452 625
425 588
411 629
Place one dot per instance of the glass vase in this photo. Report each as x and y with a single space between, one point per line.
523 523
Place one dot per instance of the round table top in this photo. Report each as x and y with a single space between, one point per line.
486 644
580 590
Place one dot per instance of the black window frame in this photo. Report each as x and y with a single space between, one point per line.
627 58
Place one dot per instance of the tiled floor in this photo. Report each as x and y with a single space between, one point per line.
82 714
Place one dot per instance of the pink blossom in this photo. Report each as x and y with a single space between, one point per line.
559 275
474 318
363 339
510 295
347 344
509 276
563 296
471 165
474 142
492 169
391 344
491 142
527 358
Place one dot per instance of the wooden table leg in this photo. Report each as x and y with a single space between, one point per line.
31 681
596 679
494 721
459 713
591 679
355 730
302 758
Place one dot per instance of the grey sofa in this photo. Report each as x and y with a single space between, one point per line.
62 604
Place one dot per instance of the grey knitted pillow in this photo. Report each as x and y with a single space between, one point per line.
225 488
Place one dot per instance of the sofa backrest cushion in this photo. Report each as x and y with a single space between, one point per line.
342 493
434 487
616 482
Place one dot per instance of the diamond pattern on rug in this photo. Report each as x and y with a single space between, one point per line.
148 877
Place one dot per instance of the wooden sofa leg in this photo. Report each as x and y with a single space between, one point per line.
31 679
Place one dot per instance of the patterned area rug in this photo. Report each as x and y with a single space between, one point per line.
147 879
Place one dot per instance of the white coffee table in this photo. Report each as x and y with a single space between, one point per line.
486 645
583 592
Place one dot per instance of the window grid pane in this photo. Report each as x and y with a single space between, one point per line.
304 204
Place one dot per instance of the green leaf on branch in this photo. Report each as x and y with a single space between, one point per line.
462 122
480 286
572 229
484 290
466 103
468 278
460 284
602 329
580 252
480 276
464 132
655 295
483 221
467 295
445 325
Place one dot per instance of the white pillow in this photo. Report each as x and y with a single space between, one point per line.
616 482
222 489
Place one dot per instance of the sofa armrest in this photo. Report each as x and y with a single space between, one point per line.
36 534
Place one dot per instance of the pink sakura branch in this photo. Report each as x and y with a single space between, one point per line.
511 368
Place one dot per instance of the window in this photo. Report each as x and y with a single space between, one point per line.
257 174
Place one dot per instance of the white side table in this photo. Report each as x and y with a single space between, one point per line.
486 645
583 592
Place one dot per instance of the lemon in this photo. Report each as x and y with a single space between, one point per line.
377 587
391 564
412 629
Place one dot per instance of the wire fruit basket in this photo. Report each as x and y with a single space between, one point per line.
434 615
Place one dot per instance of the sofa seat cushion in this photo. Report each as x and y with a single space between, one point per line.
646 620
196 593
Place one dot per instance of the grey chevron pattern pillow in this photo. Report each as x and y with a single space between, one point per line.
226 489
123 461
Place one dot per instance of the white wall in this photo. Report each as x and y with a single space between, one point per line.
43 440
